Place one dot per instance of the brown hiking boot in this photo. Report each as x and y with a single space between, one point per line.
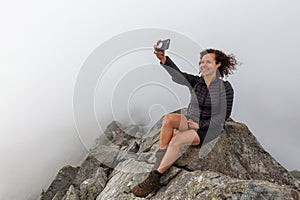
150 184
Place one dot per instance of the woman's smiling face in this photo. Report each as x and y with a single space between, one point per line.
208 66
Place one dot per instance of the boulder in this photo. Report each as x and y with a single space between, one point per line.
233 165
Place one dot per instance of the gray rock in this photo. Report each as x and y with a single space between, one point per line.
169 174
72 177
61 183
232 166
237 153
113 129
128 152
212 185
128 174
125 175
106 155
87 169
71 194
146 157
134 131
148 142
90 188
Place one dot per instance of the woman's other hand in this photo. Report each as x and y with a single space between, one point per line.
160 54
193 124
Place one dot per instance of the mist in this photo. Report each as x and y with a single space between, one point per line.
45 46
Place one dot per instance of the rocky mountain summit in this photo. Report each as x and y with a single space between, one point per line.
232 166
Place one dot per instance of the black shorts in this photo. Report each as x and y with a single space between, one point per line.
200 132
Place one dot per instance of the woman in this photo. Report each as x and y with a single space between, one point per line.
210 106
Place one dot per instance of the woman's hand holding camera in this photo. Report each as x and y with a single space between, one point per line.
160 54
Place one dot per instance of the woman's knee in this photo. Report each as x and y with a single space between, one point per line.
185 138
168 120
175 142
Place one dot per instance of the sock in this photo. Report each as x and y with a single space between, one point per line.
157 173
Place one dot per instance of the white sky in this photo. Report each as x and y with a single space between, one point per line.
43 46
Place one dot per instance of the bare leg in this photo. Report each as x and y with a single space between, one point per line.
171 122
189 137
173 143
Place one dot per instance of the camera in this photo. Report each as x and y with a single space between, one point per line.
163 45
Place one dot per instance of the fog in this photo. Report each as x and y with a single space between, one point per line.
46 47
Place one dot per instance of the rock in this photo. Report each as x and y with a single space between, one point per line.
111 132
71 194
134 131
231 166
61 183
87 169
169 174
128 174
238 154
125 175
211 185
113 129
70 178
106 155
125 154
148 142
90 188
122 145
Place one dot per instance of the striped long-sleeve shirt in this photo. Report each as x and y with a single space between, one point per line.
210 106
